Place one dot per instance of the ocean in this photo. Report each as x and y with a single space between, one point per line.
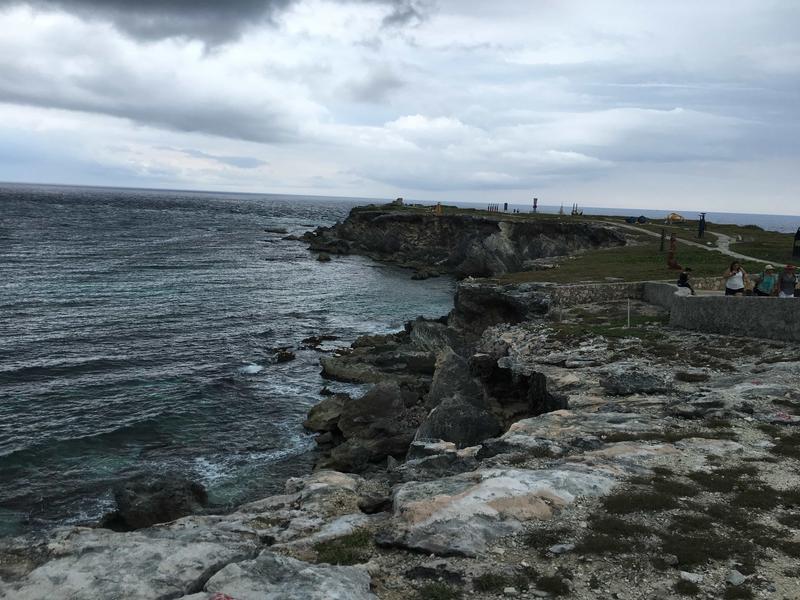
137 337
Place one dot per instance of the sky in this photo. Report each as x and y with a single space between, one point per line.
660 104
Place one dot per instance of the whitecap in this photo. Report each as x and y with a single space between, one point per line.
251 369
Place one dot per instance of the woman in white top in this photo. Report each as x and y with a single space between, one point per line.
735 280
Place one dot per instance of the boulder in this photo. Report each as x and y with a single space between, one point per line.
87 564
464 514
144 503
628 378
324 415
379 424
453 378
460 421
271 576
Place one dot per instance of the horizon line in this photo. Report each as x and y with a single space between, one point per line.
476 202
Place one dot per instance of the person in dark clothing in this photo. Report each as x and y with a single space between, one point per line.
683 279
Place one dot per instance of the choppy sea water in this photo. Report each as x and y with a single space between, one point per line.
136 337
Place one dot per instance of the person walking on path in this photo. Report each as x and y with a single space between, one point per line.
767 282
787 282
735 280
683 280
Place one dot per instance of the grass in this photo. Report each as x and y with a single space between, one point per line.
641 262
723 480
735 593
438 591
496 582
555 585
347 550
627 502
686 588
787 445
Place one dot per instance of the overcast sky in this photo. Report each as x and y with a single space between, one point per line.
658 104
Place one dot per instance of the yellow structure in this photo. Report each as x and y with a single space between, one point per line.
675 218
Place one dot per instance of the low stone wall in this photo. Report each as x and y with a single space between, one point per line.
587 293
768 318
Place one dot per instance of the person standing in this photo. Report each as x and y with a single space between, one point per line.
787 282
767 282
735 280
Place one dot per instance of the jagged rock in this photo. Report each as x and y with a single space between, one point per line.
379 424
432 336
164 562
271 575
144 503
324 415
323 257
479 304
424 448
453 378
460 421
565 427
463 514
283 355
626 379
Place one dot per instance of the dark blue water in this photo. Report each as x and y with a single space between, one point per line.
137 332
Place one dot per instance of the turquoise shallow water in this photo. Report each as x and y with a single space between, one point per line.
136 337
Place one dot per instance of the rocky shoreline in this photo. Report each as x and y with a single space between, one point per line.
511 449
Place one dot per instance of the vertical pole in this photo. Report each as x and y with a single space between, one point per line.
629 313
663 238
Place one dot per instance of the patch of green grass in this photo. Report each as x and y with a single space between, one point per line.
788 445
790 520
686 588
673 487
691 522
542 539
600 543
758 496
347 550
496 582
723 480
627 501
696 550
790 548
438 591
738 592
556 585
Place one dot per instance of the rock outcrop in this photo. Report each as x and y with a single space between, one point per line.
463 244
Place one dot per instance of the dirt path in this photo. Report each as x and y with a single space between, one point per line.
723 243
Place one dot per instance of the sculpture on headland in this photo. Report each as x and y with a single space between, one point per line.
672 261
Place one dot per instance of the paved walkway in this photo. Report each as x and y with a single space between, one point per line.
723 243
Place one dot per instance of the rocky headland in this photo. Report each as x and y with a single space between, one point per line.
463 243
519 447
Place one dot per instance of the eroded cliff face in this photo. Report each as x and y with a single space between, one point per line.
458 243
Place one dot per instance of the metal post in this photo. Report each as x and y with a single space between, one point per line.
629 313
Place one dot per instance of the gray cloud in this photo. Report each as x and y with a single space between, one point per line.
376 86
213 21
240 162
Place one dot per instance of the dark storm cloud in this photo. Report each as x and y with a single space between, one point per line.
213 21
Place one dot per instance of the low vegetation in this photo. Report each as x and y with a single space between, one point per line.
347 550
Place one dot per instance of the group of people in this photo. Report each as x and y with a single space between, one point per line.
767 283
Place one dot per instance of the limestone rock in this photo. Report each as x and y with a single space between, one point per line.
144 503
464 514
324 416
271 576
625 379
453 378
164 562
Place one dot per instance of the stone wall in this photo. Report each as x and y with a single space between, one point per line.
587 293
769 318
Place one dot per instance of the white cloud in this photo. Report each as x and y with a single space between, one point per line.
476 99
